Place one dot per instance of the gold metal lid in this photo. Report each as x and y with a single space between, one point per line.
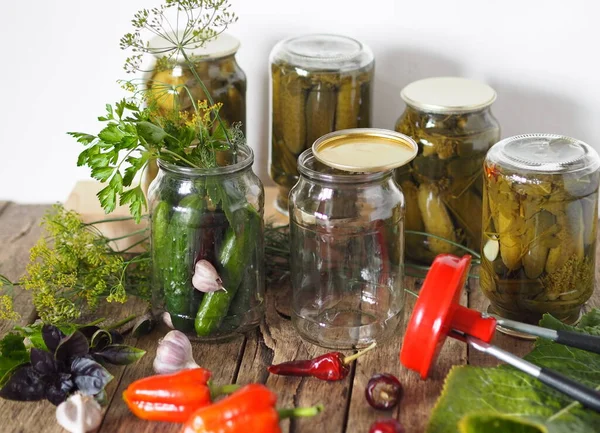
448 95
365 150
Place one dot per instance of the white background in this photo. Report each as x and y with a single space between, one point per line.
60 62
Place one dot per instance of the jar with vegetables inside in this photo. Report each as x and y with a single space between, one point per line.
319 84
540 214
347 249
450 118
207 247
172 85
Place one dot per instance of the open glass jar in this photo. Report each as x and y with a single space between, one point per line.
346 254
216 66
203 219
540 218
319 84
450 119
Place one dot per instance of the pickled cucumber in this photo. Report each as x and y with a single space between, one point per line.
320 111
412 216
538 226
436 219
292 109
348 104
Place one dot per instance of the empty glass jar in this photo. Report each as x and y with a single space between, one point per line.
540 219
450 119
346 254
319 83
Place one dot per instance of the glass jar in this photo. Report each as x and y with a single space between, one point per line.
346 255
540 216
451 121
319 83
216 65
203 219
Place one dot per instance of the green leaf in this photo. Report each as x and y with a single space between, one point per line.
504 400
151 133
82 137
111 134
116 182
108 198
136 200
102 173
12 355
119 354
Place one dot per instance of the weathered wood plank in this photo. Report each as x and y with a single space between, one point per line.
278 342
384 359
19 231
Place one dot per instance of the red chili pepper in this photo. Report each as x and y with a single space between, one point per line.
330 366
171 397
249 410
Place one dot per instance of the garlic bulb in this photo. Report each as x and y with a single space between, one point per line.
166 318
174 353
206 279
79 414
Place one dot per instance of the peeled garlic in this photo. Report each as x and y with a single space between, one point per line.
79 414
206 279
491 249
174 353
166 318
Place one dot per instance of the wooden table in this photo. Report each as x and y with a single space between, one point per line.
244 359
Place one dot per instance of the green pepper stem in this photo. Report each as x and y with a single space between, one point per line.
222 390
349 359
300 412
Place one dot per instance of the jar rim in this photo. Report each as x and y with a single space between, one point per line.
246 161
308 157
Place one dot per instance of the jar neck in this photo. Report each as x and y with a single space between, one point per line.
313 170
485 110
245 159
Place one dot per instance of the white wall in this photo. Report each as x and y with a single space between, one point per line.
60 62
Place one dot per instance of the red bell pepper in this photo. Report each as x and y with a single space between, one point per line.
249 410
171 397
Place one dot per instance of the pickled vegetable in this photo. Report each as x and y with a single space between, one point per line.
307 105
547 242
452 148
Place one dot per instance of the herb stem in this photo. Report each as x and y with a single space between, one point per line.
137 232
165 150
121 322
141 241
456 244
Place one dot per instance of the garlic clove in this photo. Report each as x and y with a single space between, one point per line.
491 249
166 318
79 414
206 279
173 354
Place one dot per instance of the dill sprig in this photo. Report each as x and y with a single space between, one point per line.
75 268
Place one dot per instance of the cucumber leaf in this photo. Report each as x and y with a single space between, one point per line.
504 400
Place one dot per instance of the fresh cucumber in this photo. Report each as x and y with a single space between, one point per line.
180 297
160 239
235 255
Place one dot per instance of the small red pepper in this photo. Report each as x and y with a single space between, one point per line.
249 410
171 397
330 366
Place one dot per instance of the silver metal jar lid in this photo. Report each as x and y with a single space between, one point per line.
448 95
547 153
323 52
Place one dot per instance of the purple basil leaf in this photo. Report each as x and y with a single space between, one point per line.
100 339
101 398
89 376
43 362
24 385
52 336
119 354
117 338
58 390
73 346
89 331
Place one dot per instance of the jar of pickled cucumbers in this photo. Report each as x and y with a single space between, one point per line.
319 84
346 229
450 118
540 215
173 86
207 247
